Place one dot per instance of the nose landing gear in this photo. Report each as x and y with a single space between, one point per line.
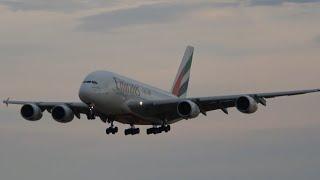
91 114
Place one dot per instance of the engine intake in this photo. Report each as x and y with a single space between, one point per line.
188 109
246 104
31 112
62 114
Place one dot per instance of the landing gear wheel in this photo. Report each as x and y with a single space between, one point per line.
149 131
112 130
161 129
127 132
157 130
167 128
91 116
131 131
153 130
115 130
136 131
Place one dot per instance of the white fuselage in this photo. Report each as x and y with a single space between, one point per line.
109 93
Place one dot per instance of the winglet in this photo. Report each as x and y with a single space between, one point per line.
6 101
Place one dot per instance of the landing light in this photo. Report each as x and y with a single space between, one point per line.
141 103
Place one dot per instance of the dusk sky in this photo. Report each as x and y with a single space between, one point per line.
47 47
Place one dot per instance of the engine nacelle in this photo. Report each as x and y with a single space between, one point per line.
31 112
62 114
188 109
246 104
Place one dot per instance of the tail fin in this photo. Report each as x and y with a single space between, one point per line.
180 84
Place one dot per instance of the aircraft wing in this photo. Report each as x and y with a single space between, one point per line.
77 107
223 102
168 108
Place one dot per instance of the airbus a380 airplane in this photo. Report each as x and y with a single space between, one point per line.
113 97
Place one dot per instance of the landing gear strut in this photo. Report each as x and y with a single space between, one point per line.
112 129
158 130
132 130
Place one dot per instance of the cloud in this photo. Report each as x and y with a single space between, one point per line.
265 2
146 14
56 5
277 2
76 5
302 1
158 13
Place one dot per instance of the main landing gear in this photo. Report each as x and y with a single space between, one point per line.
132 130
158 130
112 129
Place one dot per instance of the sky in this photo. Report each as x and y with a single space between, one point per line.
47 48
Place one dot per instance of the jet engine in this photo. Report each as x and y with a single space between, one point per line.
31 112
188 109
62 114
246 104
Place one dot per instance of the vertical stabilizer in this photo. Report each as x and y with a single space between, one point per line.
180 84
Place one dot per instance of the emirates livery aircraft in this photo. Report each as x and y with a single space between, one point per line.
113 97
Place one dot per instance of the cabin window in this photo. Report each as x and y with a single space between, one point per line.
90 82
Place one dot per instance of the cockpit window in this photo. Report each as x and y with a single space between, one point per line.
90 82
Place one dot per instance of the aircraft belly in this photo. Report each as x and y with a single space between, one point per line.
110 105
141 121
131 118
135 121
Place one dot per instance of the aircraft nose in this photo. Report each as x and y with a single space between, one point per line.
84 93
